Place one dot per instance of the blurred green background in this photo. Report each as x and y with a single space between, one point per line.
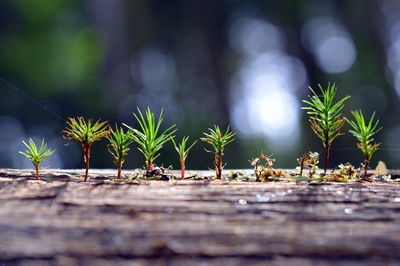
237 62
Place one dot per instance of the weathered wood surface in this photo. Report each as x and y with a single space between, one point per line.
59 221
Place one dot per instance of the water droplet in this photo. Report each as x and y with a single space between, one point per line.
396 199
169 210
348 211
242 202
339 192
289 191
261 198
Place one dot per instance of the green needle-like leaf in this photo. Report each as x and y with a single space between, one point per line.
85 132
218 141
364 132
35 155
325 118
148 138
119 146
183 152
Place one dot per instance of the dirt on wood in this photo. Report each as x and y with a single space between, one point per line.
62 221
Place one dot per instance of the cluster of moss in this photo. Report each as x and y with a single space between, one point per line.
149 138
325 119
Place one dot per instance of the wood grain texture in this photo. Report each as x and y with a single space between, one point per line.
62 221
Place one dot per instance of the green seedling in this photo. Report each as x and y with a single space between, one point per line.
36 156
148 138
218 141
85 132
119 146
325 118
183 152
364 133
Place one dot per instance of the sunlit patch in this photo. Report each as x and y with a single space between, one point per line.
336 54
252 36
393 55
397 83
264 100
331 45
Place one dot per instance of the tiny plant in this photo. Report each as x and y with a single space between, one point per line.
85 132
183 152
325 117
218 141
313 160
148 138
36 156
265 173
303 162
346 172
364 133
119 146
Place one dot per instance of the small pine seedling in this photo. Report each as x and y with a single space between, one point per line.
183 152
148 137
119 146
325 117
85 132
364 133
36 156
218 141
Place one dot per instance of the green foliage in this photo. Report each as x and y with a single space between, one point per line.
183 152
181 148
325 116
85 131
364 133
218 141
33 51
35 155
119 145
148 138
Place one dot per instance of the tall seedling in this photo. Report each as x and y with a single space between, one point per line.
325 117
364 132
119 146
85 132
148 138
218 141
